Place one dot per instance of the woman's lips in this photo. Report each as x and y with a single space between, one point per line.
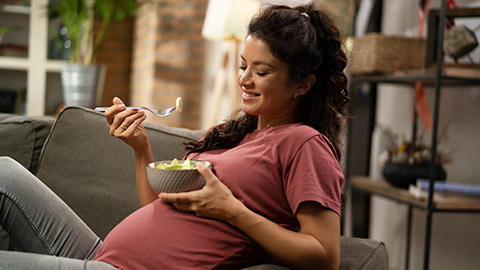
247 95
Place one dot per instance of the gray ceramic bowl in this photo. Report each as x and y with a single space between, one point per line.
162 180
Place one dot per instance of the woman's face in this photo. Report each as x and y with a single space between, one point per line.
266 91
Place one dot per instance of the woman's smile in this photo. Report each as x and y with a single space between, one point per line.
248 95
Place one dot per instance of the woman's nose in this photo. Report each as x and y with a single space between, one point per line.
244 77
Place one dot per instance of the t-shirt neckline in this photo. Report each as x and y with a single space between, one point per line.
276 127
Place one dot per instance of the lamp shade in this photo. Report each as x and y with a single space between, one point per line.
228 18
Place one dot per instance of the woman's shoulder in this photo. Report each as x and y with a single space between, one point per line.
299 135
296 134
304 129
292 139
298 131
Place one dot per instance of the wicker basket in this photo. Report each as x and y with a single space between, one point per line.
377 53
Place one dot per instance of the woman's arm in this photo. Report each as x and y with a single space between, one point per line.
145 193
126 125
317 246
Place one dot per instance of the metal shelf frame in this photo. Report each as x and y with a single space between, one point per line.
436 76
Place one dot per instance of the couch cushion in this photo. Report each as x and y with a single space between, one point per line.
22 137
93 172
355 254
362 254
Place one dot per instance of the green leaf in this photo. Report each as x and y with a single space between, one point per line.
77 16
187 164
174 167
6 29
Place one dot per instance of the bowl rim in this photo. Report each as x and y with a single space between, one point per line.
207 163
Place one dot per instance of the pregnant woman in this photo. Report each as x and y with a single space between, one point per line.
274 190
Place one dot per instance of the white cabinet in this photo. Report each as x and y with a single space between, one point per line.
33 71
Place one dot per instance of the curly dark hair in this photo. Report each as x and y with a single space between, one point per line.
308 41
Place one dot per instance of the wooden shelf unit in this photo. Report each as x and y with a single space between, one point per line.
437 75
450 75
441 203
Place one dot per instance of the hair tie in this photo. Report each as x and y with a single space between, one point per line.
306 15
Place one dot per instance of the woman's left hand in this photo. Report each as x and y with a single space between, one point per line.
214 200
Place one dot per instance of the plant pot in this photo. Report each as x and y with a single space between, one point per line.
403 174
82 84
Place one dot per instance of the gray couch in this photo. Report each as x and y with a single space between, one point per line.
94 173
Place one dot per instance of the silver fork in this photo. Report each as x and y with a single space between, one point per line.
160 113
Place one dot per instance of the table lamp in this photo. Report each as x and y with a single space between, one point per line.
227 21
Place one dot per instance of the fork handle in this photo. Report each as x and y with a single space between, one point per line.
103 109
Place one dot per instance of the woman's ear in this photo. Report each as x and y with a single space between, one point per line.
305 85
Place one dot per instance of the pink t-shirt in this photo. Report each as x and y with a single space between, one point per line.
271 171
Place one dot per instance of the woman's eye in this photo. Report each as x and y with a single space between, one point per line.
261 74
242 67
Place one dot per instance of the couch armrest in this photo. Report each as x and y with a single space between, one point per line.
355 254
22 137
362 254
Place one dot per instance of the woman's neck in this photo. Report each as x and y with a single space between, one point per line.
263 123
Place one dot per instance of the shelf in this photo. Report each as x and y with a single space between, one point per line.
18 9
54 65
438 74
16 63
34 35
19 63
459 12
441 202
450 74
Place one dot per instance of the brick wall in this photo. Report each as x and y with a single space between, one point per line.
168 59
116 54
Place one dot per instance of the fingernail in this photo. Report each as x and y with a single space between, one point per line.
121 106
141 111
160 196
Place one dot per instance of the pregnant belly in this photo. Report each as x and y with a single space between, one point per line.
158 235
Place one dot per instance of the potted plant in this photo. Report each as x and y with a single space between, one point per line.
5 29
406 161
82 78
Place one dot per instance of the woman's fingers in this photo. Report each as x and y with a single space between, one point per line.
111 112
141 116
117 101
192 196
118 119
126 120
185 201
206 172
181 197
126 124
117 107
132 121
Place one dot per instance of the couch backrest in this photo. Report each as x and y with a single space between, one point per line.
93 172
22 137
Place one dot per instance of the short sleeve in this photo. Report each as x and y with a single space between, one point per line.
314 175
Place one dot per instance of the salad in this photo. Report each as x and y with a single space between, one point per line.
176 165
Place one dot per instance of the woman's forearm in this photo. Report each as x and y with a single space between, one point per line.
145 193
294 249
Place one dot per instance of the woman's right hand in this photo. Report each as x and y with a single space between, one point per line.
127 125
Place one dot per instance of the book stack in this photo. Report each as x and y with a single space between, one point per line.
420 190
